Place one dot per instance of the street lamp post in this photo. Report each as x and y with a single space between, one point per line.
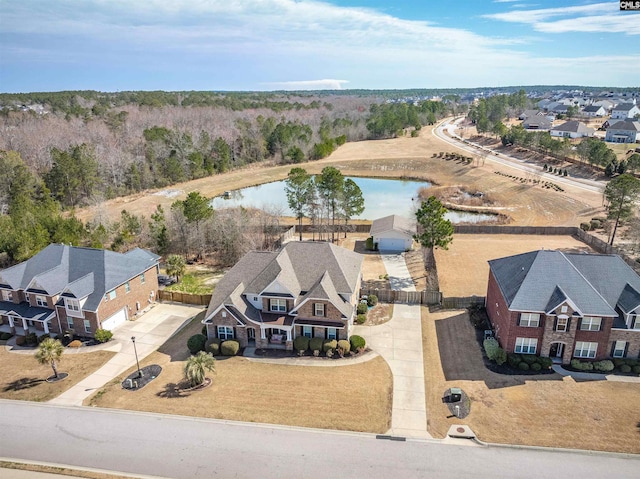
133 338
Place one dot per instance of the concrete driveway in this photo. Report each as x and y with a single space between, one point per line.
150 331
399 342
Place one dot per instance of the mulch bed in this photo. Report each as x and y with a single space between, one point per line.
61 376
149 373
282 353
460 409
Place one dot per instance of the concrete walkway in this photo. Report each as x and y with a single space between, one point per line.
595 376
150 331
399 342
249 353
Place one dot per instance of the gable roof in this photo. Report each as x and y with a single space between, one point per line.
594 283
77 272
537 122
625 125
397 223
626 107
573 126
593 108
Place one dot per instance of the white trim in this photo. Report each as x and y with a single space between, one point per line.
525 344
530 318
591 322
590 353
227 330
616 348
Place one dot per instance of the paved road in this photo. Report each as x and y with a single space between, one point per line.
180 447
454 139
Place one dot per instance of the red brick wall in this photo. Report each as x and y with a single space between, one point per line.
266 303
499 314
601 337
139 293
330 311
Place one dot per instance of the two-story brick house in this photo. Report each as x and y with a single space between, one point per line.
565 306
269 298
67 288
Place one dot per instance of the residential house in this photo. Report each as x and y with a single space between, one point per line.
623 131
565 306
530 113
572 129
594 111
606 104
537 122
67 288
625 111
269 298
393 233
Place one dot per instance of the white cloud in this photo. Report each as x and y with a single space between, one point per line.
327 84
534 16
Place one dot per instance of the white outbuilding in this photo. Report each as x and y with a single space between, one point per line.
393 233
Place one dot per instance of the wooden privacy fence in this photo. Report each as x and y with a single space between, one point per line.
187 298
340 227
429 297
462 302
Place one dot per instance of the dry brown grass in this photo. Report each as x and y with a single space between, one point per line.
373 270
595 415
463 269
63 471
356 398
23 378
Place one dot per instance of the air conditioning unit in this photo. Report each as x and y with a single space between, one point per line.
128 384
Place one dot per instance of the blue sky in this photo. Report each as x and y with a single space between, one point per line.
111 45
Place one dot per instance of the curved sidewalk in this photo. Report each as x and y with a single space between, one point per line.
249 353
595 376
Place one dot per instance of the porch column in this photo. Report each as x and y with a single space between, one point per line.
46 327
12 325
24 326
263 334
289 334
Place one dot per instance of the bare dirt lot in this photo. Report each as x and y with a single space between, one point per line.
543 410
463 269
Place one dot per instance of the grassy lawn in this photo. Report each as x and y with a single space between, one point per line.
532 410
356 398
22 377
197 280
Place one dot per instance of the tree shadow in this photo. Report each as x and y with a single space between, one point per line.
22 384
171 391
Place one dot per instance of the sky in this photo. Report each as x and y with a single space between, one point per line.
117 45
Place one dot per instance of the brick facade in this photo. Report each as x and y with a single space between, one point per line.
632 337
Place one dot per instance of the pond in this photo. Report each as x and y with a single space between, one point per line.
382 197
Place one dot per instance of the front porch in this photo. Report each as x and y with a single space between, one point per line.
22 318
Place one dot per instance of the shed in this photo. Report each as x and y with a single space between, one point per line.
393 233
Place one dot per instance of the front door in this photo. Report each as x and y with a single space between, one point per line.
556 350
251 334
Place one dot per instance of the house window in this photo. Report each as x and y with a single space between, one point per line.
87 326
332 333
127 287
564 309
142 280
72 305
225 332
526 345
255 298
278 305
307 331
41 301
585 350
112 294
70 322
530 320
562 324
224 314
619 349
7 295
590 323
318 309
635 321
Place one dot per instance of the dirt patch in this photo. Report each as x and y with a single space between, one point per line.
463 269
523 410
422 278
379 314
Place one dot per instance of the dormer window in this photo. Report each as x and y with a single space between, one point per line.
318 309
7 295
41 301
278 305
72 304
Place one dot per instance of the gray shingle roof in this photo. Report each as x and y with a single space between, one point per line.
625 125
25 311
77 272
624 107
324 290
629 299
393 223
574 127
536 281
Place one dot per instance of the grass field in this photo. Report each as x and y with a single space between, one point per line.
22 377
551 411
356 398
463 269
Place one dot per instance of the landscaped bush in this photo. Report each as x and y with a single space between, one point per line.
536 367
301 343
586 366
523 366
478 316
31 338
529 358
196 343
43 337
575 364
361 318
631 362
76 343
494 351
103 335
315 345
605 366
636 369
20 340
213 346
514 360
344 347
617 362
625 368
372 300
329 345
357 342
369 244
362 308
545 363
585 226
5 336
229 347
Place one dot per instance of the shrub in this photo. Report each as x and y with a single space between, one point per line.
43 337
545 363
5 336
529 358
585 226
362 308
31 338
103 335
595 224
315 344
329 345
204 330
514 360
76 343
536 367
587 366
631 362
636 369
372 300
20 340
501 357
605 366
617 362
575 364
361 318
357 342
523 366
196 343
494 351
478 316
344 347
213 346
301 343
625 368
369 244
229 347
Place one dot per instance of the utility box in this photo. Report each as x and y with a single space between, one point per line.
455 395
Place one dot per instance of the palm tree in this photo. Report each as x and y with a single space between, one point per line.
49 351
197 366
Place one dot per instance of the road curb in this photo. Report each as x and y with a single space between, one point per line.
72 468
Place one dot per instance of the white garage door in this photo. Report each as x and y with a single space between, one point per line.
115 320
391 244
